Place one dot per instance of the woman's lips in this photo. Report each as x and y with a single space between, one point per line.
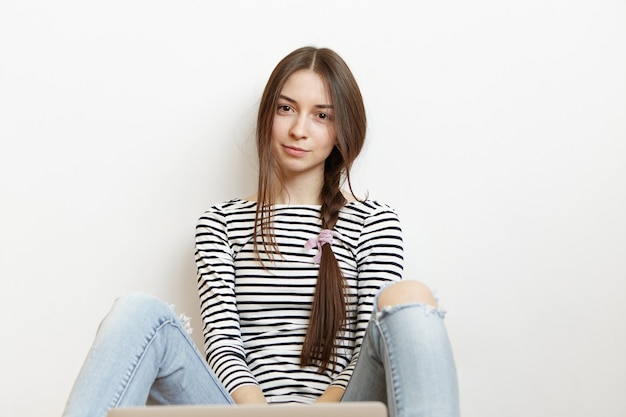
295 151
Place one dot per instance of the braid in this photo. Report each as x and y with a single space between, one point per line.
328 310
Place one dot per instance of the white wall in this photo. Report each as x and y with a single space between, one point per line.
497 130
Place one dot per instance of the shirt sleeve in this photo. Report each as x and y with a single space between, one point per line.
218 305
380 260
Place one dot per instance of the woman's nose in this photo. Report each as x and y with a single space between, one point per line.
299 128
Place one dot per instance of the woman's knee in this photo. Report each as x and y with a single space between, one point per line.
406 292
136 305
132 319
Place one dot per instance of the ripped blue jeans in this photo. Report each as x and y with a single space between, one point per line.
406 361
142 354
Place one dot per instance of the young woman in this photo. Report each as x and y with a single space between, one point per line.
300 285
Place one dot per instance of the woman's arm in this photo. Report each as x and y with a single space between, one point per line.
218 305
380 260
248 394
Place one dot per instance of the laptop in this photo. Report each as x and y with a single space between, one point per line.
347 409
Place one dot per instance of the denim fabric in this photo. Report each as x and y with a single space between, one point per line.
142 354
406 361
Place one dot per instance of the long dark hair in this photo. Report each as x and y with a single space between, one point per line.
328 311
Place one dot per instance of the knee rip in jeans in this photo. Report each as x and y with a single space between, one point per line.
426 308
185 321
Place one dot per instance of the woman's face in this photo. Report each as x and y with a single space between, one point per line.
303 132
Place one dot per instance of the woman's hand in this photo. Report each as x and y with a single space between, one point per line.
332 395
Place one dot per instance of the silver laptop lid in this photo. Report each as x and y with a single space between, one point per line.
347 409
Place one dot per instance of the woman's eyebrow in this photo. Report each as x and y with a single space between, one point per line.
321 106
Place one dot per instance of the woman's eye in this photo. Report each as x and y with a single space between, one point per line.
324 116
284 108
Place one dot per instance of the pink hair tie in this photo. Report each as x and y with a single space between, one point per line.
325 236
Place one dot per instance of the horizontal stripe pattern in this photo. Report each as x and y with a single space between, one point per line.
255 318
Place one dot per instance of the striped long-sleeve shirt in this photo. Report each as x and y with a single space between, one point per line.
255 318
